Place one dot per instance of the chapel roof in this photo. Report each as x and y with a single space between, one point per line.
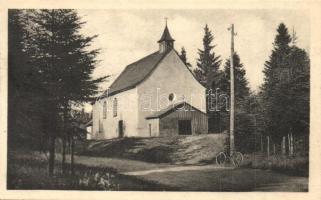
135 73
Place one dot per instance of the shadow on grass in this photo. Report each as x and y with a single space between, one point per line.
31 174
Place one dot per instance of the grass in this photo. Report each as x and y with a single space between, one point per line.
238 179
297 165
186 150
29 171
25 172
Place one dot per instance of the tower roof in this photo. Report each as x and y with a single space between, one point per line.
166 35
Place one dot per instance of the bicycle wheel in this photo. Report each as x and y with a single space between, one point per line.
237 158
220 158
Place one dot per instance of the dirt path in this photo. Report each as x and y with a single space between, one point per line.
122 165
176 169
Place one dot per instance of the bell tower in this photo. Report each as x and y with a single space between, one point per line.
166 42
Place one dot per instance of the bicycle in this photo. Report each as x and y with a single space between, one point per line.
236 158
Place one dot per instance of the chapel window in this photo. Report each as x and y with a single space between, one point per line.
105 110
115 107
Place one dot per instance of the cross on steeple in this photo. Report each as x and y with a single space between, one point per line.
166 21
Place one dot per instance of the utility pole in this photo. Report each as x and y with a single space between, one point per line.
232 145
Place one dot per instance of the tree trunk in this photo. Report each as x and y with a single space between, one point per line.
274 150
292 145
72 156
262 147
290 138
283 145
51 155
268 146
289 145
63 162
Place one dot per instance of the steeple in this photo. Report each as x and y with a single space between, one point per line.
166 42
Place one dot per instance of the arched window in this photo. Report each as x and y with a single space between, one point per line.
105 110
115 107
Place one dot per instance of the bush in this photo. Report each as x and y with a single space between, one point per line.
25 173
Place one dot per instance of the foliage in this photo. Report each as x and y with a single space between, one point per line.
28 170
208 62
184 57
298 166
285 91
51 65
242 89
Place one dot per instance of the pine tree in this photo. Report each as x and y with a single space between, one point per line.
184 57
273 87
285 90
24 109
242 89
64 69
208 62
243 122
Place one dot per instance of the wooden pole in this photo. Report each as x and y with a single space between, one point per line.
274 149
289 144
232 145
262 149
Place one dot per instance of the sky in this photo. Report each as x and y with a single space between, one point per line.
125 36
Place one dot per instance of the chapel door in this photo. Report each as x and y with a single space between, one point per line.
184 127
120 129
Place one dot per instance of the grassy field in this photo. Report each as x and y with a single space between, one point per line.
298 165
30 172
157 164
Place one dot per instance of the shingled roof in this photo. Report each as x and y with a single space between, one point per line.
135 73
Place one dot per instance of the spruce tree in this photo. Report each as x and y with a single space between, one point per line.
242 89
285 90
184 57
208 62
65 65
25 109
273 88
243 121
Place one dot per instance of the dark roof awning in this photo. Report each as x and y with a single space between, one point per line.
180 107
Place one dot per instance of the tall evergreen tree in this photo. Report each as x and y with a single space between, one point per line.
242 89
285 90
63 64
272 92
243 122
24 109
184 57
208 62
